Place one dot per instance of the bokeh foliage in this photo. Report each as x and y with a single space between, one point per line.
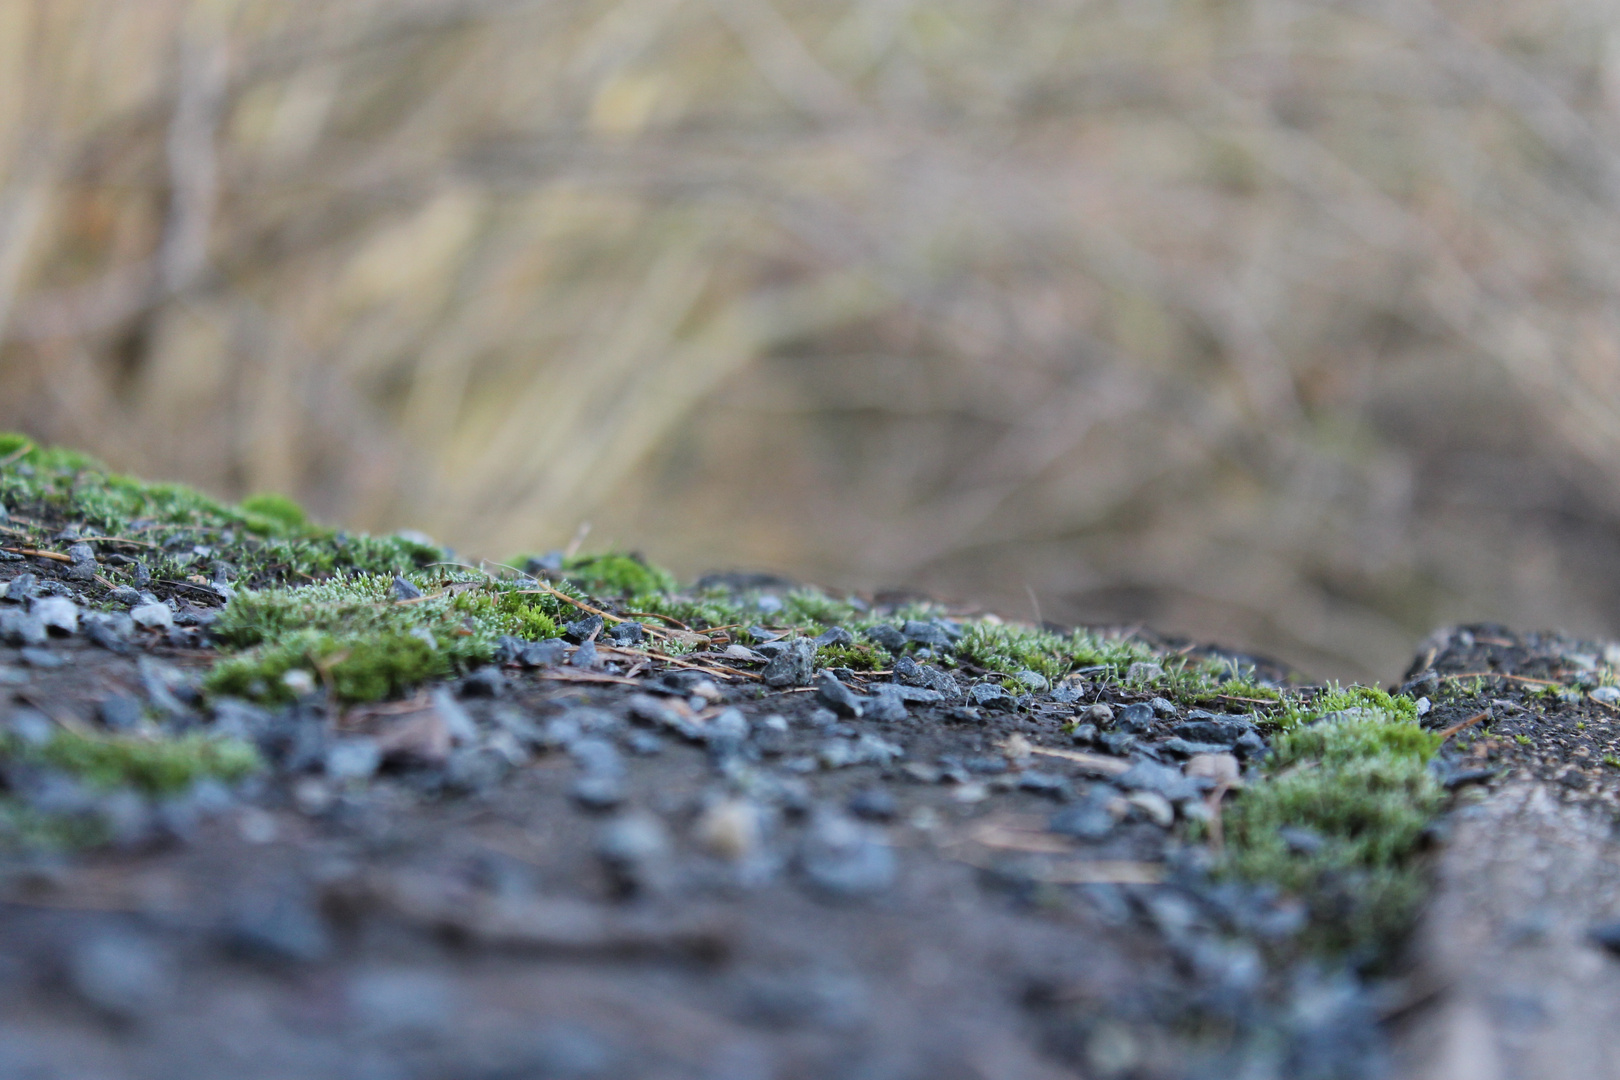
1288 321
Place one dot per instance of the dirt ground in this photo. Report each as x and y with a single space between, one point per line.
557 873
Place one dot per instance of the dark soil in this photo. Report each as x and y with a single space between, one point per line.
655 869
439 921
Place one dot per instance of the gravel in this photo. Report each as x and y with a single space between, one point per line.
839 698
151 615
792 665
844 859
58 614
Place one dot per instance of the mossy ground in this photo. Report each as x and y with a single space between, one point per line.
312 599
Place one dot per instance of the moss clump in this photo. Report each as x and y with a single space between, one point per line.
1334 699
1356 783
275 512
358 667
352 633
617 574
1007 649
267 540
153 766
854 657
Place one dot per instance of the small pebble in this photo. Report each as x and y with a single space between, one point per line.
732 829
844 859
1101 715
873 804
58 614
152 616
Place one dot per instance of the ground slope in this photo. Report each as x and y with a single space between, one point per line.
282 801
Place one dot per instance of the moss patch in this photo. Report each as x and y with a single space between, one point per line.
352 633
1338 820
152 766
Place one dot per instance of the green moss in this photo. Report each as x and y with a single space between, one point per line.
1334 698
618 574
811 608
360 667
275 512
351 631
267 540
154 766
1358 780
854 657
23 828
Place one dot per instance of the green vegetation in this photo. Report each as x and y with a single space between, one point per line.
176 530
616 574
353 634
1354 776
151 766
854 657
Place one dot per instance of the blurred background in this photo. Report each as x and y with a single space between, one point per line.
1289 324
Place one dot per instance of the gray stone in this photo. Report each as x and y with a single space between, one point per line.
278 928
1118 743
1143 672
119 712
628 633
21 628
109 631
888 703
886 636
1087 820
841 858
487 681
476 770
1163 708
457 722
548 653
1221 732
838 697
650 710
1134 719
1100 714
727 731
152 615
1164 780
41 658
59 615
585 657
989 695
20 588
836 635
1250 744
1032 679
404 590
930 634
122 975
1180 747
635 850
873 804
595 791
584 629
793 664
1066 694
596 757
1045 783
355 758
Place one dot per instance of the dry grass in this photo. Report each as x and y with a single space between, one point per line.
1290 322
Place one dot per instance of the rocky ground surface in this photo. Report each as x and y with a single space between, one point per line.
600 855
